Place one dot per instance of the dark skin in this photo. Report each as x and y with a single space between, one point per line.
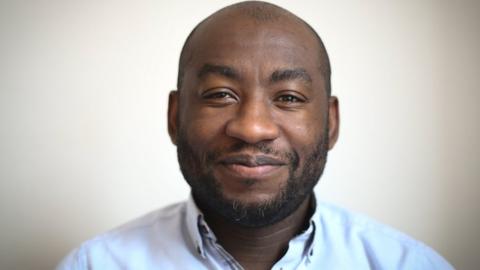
238 86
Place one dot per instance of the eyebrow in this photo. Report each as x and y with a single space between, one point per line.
221 70
277 76
290 75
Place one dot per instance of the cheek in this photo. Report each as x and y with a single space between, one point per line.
303 133
204 127
303 139
302 129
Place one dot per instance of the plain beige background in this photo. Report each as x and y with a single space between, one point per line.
83 140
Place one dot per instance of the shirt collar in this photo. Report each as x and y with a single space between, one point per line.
301 247
310 245
194 218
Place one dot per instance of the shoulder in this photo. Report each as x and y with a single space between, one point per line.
163 216
132 241
368 242
166 218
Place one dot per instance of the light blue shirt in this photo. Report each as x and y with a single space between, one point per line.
177 237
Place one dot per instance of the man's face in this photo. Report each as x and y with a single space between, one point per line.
251 121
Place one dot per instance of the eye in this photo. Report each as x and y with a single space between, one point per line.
290 99
219 96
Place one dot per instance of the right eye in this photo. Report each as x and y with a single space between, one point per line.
220 96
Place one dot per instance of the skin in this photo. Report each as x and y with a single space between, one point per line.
215 110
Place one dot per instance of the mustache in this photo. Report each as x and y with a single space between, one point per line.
252 160
265 154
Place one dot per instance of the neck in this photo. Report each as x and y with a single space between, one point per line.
258 248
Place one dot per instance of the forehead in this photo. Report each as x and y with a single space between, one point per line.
252 45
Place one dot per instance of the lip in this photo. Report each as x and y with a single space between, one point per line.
251 166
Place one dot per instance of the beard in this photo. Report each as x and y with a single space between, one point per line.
197 169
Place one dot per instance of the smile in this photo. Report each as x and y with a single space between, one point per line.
251 172
248 166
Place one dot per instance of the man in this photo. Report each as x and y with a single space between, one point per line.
253 120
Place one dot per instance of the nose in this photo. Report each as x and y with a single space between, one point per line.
253 123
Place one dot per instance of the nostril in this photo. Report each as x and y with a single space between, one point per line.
252 130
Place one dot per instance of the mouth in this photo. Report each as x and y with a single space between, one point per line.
251 166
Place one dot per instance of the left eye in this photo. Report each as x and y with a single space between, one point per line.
289 99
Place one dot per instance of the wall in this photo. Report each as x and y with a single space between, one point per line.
83 141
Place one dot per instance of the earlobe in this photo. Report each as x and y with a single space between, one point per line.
333 121
172 116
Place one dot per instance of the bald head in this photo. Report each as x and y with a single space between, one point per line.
263 15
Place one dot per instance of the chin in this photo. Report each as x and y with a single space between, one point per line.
252 199
253 207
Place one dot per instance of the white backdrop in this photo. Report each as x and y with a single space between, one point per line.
83 138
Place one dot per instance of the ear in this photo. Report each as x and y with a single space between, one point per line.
333 121
173 116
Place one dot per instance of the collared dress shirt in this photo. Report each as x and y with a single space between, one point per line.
177 237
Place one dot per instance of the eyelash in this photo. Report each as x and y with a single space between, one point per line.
291 99
219 96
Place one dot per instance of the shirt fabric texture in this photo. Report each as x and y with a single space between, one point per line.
177 237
